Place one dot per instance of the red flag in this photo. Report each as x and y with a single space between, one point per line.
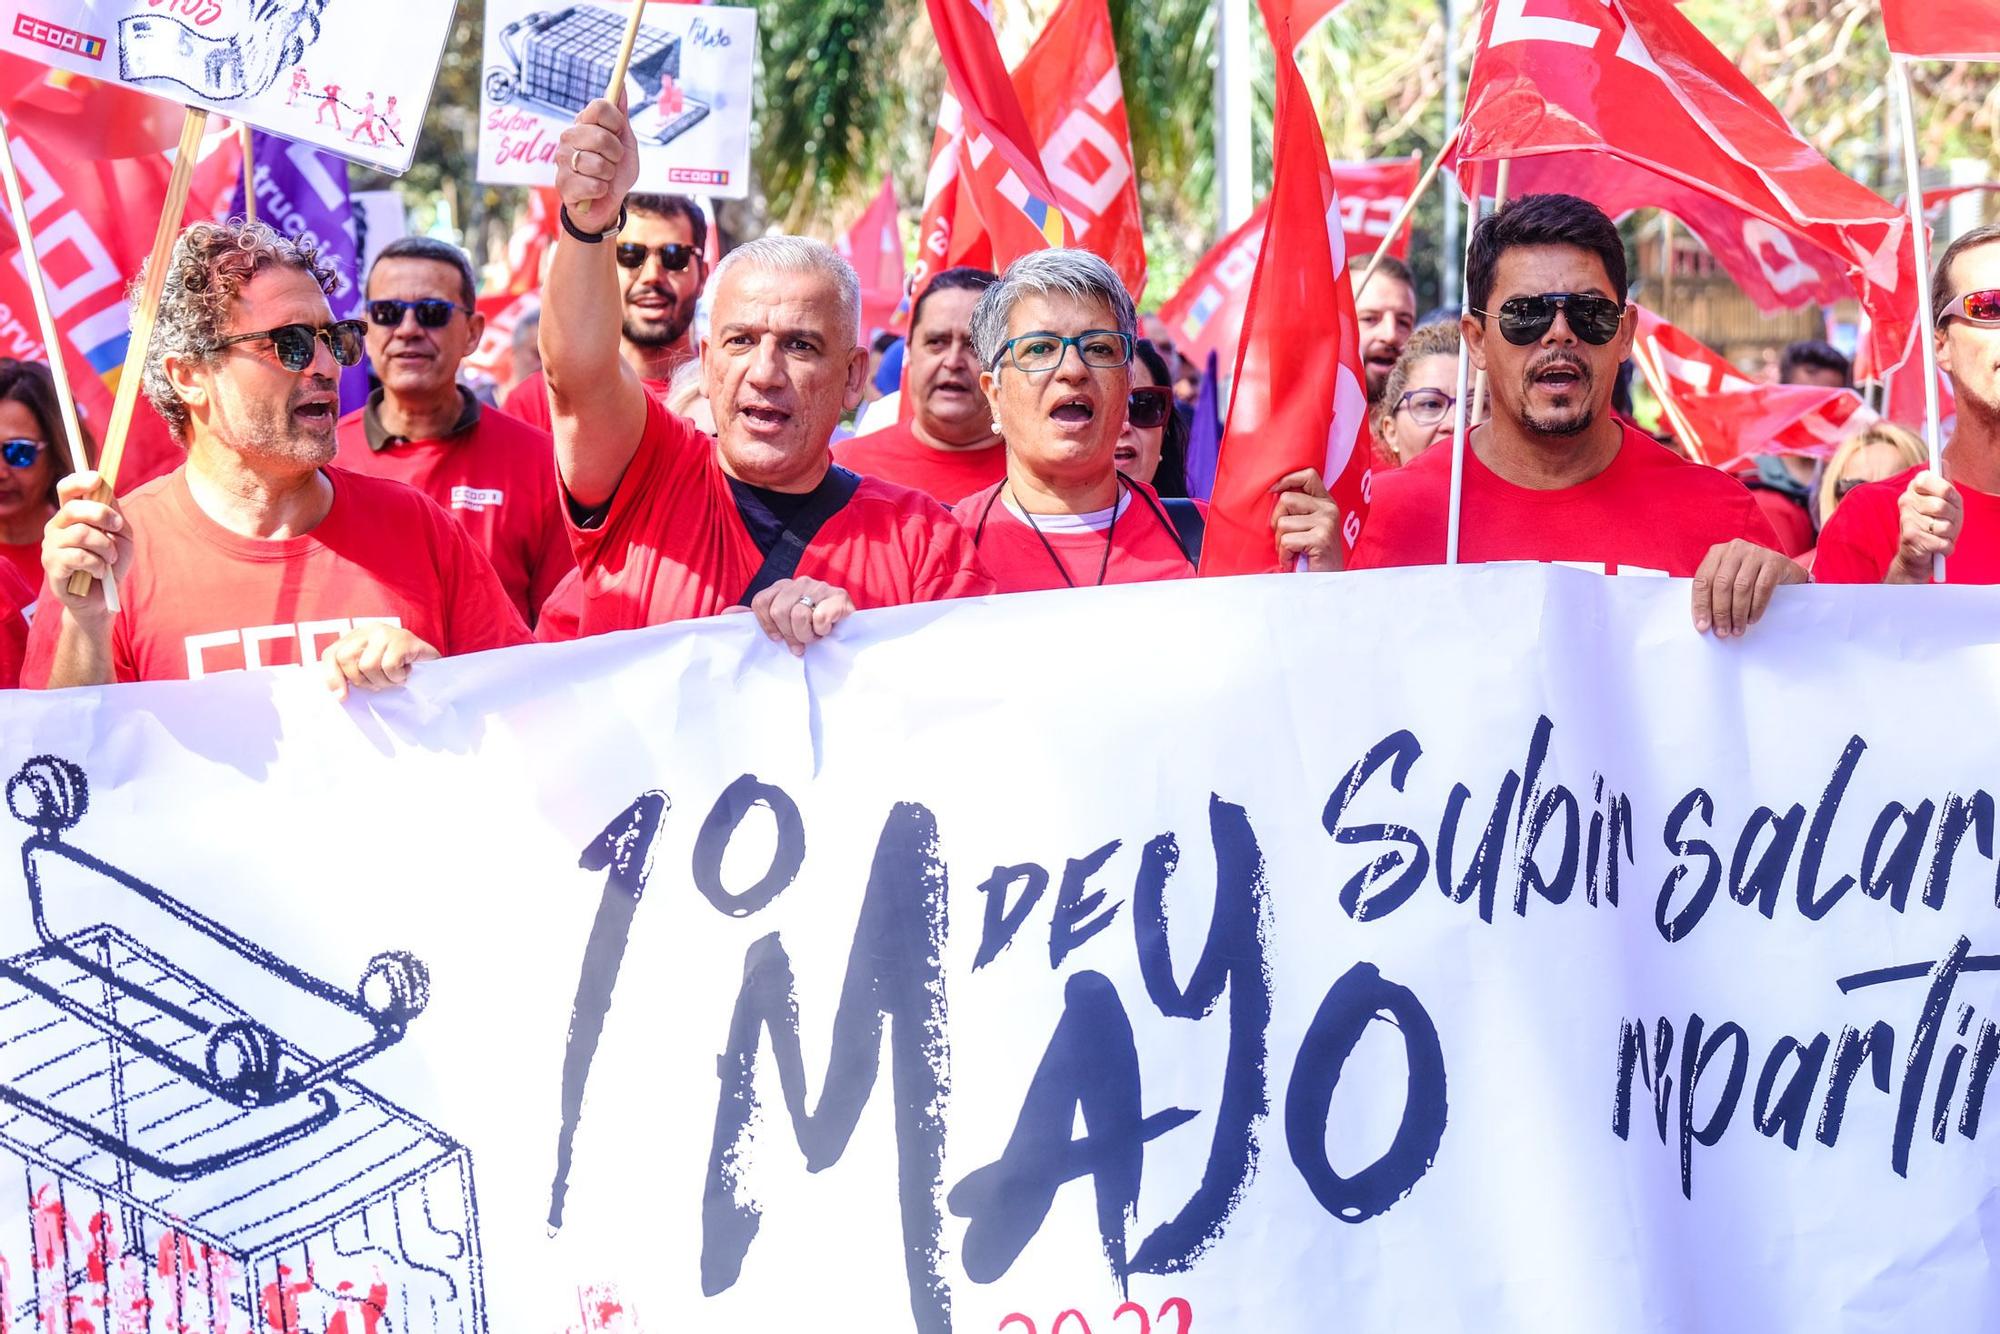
1019 209
1070 92
1903 389
1302 16
1298 400
1943 29
534 233
85 119
875 249
1634 80
1206 314
1734 417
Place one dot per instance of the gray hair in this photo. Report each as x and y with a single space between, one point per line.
799 254
1072 273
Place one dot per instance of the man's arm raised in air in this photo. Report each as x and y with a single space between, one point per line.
597 405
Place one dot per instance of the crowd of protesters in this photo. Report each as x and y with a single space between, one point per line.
637 474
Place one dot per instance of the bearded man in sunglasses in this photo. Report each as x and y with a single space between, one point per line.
255 552
662 267
488 470
1894 531
1553 476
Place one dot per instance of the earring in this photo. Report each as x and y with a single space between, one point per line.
996 426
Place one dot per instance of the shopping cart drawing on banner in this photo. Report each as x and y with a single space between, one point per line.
562 60
157 1100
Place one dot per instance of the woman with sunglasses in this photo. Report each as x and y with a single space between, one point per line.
30 445
1153 446
1880 452
1055 338
1414 412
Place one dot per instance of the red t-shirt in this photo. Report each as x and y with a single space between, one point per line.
495 475
25 559
528 401
17 601
672 544
1142 544
1788 520
199 599
1858 544
1650 512
894 454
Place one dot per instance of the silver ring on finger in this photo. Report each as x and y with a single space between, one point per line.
575 161
805 600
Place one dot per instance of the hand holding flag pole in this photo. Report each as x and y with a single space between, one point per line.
193 124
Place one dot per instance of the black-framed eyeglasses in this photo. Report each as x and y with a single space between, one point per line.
433 312
294 342
1527 319
1427 407
673 258
21 452
1981 307
1149 406
1041 351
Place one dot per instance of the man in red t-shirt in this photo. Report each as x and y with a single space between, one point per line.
255 552
1553 476
1893 531
492 473
668 523
949 447
662 263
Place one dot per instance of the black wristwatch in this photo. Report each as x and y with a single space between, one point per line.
589 238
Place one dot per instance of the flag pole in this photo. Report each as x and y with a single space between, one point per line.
624 61
31 265
246 144
1461 410
193 124
1499 202
1913 193
1403 216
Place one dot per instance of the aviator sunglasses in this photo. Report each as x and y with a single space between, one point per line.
1148 406
432 312
673 258
1975 307
21 452
294 342
1527 319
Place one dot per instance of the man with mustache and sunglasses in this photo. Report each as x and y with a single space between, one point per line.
490 471
255 552
669 523
1893 531
1553 475
662 266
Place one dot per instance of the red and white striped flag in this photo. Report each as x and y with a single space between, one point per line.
1299 400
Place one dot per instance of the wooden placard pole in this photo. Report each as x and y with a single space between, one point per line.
193 125
246 142
1403 217
17 206
624 61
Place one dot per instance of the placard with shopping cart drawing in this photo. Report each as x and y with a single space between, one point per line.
315 71
688 87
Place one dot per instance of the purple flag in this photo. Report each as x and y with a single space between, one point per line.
1205 439
303 192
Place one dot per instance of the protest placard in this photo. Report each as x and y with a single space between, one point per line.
1562 971
350 76
688 88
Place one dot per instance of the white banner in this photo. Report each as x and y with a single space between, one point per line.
688 89
321 72
1416 951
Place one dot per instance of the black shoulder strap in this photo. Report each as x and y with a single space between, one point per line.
1188 525
782 561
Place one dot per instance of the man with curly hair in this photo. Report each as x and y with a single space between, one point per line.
254 552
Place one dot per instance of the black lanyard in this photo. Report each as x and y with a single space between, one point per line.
1124 485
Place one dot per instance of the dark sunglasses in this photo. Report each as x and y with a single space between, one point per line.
21 452
432 312
1975 307
294 342
1148 407
1527 319
1840 488
673 258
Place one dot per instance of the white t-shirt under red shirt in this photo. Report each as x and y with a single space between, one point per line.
199 599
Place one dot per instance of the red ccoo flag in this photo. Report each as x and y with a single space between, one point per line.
875 248
1634 80
1298 400
1943 29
